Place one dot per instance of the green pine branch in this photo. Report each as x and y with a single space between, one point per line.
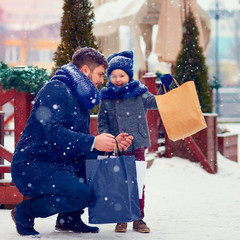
29 79
76 30
190 63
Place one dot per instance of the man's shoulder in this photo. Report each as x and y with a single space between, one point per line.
56 85
54 88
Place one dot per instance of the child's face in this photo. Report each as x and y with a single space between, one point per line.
119 78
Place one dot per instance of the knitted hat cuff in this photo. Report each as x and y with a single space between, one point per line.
123 61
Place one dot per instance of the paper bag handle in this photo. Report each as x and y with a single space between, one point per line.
116 151
165 87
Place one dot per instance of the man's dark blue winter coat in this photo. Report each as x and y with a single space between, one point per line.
56 136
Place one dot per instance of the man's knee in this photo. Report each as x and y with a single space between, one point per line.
83 194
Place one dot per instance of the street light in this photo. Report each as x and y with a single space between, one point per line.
217 16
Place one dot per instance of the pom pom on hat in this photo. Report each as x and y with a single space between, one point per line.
123 61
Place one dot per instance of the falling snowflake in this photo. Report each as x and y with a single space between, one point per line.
55 106
61 221
118 207
116 168
43 114
81 180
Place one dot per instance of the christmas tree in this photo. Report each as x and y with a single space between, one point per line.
190 63
76 30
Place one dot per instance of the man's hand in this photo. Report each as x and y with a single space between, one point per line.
105 142
124 141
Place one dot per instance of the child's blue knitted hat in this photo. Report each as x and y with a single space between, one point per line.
123 61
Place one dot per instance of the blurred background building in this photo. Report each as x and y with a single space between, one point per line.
152 28
229 42
30 33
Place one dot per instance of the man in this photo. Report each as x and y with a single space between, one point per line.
48 162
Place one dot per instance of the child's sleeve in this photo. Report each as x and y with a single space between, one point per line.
149 100
103 119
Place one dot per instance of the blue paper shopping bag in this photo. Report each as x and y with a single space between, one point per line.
113 183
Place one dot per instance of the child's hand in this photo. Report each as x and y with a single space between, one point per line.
105 142
124 141
166 79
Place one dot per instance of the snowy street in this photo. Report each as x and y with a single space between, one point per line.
96 79
183 201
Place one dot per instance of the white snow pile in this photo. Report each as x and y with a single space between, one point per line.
183 202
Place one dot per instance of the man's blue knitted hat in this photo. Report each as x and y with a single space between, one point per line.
123 61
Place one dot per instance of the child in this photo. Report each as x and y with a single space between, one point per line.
123 108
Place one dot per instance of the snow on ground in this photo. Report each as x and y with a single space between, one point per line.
183 202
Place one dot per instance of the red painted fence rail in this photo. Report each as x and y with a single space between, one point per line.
9 195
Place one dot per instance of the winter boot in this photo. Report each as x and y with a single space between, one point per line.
72 222
121 227
24 223
141 226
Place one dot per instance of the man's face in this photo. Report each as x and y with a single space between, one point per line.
96 76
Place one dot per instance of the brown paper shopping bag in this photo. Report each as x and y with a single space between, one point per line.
180 111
